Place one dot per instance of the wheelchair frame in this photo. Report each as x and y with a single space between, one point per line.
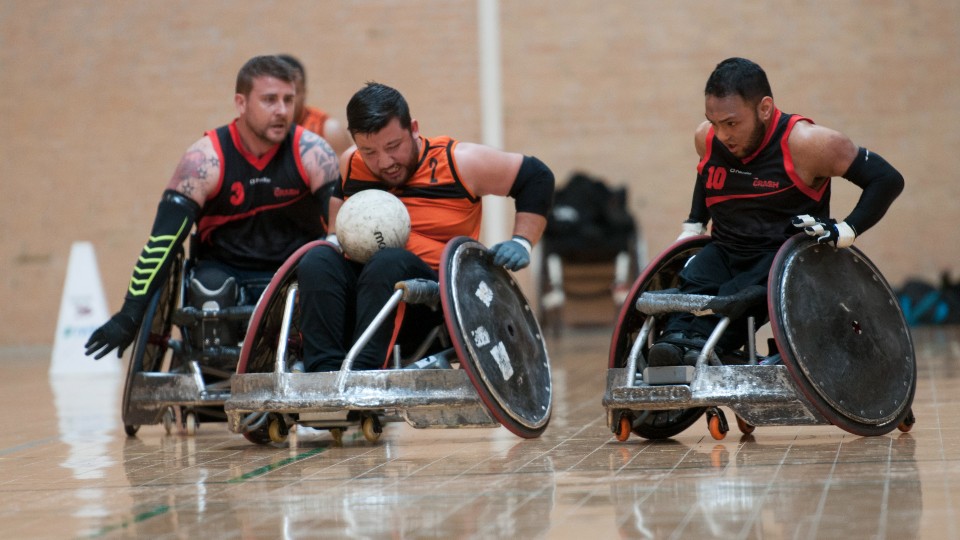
758 394
267 399
169 380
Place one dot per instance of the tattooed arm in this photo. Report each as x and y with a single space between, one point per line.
197 175
198 172
319 160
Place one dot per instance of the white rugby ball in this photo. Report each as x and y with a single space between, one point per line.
370 221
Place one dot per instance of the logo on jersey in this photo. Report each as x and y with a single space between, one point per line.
237 195
770 184
285 193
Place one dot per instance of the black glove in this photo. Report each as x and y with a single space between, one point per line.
117 333
830 232
513 254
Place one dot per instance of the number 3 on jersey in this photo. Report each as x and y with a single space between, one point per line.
716 177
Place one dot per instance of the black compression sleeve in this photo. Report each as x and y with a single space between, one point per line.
698 206
176 215
533 188
881 184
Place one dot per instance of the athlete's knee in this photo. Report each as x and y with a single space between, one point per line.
318 266
394 263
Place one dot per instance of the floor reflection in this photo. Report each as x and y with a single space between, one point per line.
857 488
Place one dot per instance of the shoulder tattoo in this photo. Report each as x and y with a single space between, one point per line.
194 171
318 157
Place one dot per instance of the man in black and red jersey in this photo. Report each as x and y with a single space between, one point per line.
248 187
441 182
762 174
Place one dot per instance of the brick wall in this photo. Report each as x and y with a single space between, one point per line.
100 98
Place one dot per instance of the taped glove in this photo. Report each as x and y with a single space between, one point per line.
691 228
117 333
830 232
513 254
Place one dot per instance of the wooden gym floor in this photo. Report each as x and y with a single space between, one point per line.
67 470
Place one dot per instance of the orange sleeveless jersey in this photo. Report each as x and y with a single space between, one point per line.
314 119
440 206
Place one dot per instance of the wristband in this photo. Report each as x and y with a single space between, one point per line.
523 242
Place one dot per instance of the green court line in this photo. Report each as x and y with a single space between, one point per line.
272 467
27 445
163 509
143 516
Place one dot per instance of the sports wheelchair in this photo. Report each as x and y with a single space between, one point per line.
841 351
186 350
489 332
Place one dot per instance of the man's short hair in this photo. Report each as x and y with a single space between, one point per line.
296 63
374 106
263 66
741 77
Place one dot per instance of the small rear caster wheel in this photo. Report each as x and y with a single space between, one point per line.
908 422
337 434
131 429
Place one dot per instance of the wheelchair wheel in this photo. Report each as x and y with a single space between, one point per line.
848 347
258 353
497 338
661 273
151 342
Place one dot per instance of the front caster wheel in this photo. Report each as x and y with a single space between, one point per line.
624 427
277 429
717 423
371 428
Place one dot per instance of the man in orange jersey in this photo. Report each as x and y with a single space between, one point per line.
312 118
441 182
250 187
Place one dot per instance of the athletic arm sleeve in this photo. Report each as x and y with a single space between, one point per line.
881 184
532 190
176 215
698 206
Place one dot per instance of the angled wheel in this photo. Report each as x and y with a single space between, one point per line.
258 353
497 338
847 347
662 273
151 342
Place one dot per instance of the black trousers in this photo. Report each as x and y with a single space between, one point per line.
717 272
339 299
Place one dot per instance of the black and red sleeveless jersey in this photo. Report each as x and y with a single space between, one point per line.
751 201
262 209
440 205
